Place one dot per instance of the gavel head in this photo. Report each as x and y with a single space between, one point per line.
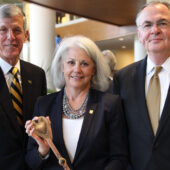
41 126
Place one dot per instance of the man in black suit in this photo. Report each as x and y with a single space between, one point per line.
32 80
148 150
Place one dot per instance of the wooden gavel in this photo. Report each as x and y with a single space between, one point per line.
41 127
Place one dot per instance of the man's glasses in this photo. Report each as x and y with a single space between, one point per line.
147 26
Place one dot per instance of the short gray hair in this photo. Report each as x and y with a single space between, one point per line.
99 80
11 10
110 58
153 3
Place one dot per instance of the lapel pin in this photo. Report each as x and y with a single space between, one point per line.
30 81
91 112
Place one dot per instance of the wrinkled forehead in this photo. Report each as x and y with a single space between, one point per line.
12 21
153 13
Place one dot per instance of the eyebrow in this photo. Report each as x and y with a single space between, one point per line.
160 20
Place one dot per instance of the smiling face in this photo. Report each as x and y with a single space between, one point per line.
157 38
12 37
78 69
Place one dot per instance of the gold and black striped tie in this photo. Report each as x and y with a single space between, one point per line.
16 95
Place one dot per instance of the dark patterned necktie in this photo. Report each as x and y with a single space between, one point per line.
16 95
154 98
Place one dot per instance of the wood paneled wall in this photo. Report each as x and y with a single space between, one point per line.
117 12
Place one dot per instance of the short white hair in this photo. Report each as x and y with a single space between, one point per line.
110 58
11 10
100 78
152 3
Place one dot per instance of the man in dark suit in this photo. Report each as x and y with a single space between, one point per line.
149 148
32 81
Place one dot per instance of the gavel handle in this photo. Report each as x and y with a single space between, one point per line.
62 161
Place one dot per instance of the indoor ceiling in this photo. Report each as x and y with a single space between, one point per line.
115 44
117 12
107 36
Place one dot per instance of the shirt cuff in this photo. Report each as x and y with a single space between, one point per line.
44 157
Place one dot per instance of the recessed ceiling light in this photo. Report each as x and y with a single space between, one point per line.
123 46
121 39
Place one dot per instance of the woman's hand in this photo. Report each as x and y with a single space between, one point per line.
43 148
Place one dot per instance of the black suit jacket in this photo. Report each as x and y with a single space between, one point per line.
102 142
146 151
12 138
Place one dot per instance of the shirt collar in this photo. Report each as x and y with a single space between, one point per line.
166 65
6 66
151 65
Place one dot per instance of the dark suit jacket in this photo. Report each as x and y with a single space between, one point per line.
102 143
12 137
146 151
110 88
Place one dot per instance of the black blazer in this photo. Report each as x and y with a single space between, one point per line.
146 151
13 139
102 143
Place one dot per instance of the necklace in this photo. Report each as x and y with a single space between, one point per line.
71 113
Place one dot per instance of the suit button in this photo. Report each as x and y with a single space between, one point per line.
155 146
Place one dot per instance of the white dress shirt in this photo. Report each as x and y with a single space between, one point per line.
6 68
71 133
164 77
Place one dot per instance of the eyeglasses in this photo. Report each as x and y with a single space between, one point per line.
147 26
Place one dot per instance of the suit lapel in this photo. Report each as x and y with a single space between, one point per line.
165 114
56 122
26 88
140 94
7 113
56 118
90 112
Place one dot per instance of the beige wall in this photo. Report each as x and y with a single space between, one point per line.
124 58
